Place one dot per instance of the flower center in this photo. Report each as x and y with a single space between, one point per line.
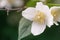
39 17
54 14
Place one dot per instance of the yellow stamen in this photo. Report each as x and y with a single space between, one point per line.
54 14
40 17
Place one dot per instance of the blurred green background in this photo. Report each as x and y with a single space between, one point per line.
9 26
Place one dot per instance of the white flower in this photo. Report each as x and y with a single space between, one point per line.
2 3
55 11
16 3
8 4
40 15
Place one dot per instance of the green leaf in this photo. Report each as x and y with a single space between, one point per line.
31 3
51 4
24 28
56 1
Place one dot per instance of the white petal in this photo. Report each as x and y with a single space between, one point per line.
2 3
29 13
40 6
49 17
18 3
56 23
58 19
37 29
54 7
49 20
6 4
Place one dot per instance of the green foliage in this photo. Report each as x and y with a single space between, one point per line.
24 28
31 3
55 1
